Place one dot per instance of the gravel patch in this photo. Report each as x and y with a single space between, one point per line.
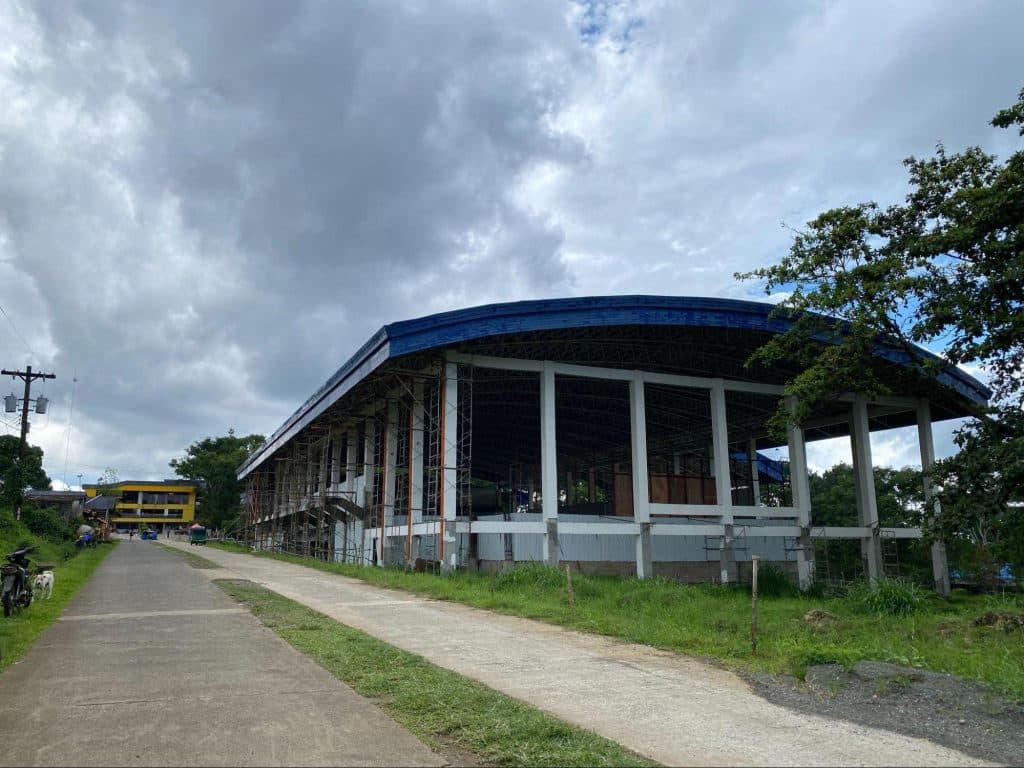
942 708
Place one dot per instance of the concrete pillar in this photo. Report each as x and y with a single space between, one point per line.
592 485
755 476
366 554
940 564
415 471
641 489
349 486
369 442
723 481
387 503
449 463
549 466
800 485
864 481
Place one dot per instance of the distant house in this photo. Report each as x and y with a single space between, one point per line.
159 504
67 504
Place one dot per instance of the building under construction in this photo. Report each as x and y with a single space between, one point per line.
624 434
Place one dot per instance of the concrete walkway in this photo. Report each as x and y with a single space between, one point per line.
151 664
671 708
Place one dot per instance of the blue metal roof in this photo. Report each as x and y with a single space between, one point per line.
449 328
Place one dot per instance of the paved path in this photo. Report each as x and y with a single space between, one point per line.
151 664
671 708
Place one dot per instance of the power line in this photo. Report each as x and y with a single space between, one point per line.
18 333
71 413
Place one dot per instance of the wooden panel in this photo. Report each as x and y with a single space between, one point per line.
677 489
623 495
658 485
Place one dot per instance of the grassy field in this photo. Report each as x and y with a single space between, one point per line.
714 622
18 632
440 707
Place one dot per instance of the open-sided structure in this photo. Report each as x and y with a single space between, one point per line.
622 433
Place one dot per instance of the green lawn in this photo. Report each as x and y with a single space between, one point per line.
439 706
714 621
18 632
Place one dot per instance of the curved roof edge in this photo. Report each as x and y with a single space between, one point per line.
446 328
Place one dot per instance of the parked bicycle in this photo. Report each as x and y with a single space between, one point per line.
17 586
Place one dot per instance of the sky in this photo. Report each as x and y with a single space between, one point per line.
207 207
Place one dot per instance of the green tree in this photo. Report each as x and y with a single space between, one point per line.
29 474
899 494
944 268
215 461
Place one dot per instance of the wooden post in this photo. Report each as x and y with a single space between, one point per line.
754 559
568 582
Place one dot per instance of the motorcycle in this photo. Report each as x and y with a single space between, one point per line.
17 586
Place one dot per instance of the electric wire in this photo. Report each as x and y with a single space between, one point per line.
71 413
18 333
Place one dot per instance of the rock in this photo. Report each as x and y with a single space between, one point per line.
819 617
880 670
827 679
1000 620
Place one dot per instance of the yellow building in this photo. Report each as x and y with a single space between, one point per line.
158 504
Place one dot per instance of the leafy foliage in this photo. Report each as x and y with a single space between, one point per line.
889 597
215 460
980 490
945 267
16 478
899 492
772 581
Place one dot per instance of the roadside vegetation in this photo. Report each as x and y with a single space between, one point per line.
53 539
975 637
442 708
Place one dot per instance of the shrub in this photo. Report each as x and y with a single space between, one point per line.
772 581
892 597
47 524
536 576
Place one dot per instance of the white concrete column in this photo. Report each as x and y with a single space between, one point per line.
387 507
800 485
864 480
334 446
723 479
349 488
369 442
940 564
549 465
755 476
449 481
415 469
641 483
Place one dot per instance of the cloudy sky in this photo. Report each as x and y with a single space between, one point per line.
206 207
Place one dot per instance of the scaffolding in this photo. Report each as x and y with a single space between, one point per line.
339 488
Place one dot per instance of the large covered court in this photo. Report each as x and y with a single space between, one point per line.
624 434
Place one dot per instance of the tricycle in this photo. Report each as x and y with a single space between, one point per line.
197 535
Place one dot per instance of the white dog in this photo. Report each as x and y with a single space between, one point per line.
44 584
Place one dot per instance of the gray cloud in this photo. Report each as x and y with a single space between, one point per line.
205 208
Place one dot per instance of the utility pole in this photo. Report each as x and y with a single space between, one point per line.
28 376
